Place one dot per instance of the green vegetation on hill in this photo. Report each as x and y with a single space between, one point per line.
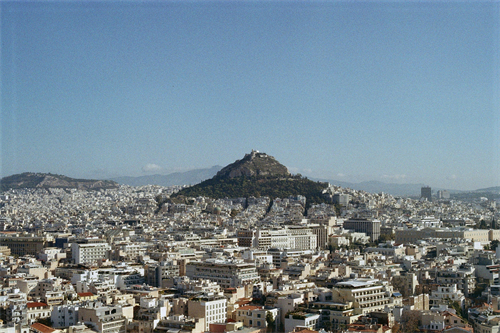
270 186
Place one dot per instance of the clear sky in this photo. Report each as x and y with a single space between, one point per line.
391 91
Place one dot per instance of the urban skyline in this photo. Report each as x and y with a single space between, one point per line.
387 91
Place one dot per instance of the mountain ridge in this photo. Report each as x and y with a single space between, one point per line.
48 180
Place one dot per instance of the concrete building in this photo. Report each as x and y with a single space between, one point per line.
23 245
156 273
446 294
405 236
103 319
367 294
255 316
228 274
290 237
211 309
463 277
36 311
90 253
371 227
64 315
302 320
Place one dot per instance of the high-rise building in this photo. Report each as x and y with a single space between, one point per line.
426 193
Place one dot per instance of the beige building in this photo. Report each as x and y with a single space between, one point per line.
23 245
255 316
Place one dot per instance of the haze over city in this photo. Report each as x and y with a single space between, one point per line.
403 92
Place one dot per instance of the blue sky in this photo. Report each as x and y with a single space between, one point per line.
391 91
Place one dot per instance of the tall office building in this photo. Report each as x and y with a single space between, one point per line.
426 192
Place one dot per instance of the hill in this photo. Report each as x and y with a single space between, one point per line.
494 189
48 180
176 178
257 174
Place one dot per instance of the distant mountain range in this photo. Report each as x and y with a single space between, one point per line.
177 178
196 176
48 180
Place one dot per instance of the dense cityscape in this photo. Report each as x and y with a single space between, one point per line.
128 259
122 211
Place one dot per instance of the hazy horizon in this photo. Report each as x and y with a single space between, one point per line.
398 92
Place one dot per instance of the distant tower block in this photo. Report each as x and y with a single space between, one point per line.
426 192
443 194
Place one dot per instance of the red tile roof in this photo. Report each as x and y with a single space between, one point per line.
85 294
42 328
35 304
250 307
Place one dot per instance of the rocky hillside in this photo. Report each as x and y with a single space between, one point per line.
47 180
254 164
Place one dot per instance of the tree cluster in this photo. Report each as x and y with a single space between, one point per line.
272 187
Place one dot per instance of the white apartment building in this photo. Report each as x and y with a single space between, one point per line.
302 238
446 294
212 309
367 294
36 311
64 315
90 253
301 319
270 238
